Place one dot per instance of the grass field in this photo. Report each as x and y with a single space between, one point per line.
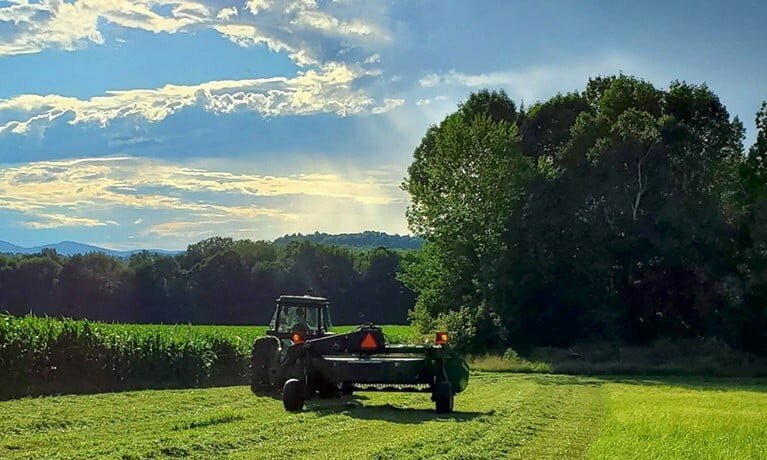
499 416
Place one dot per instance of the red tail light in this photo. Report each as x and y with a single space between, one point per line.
369 342
297 338
441 338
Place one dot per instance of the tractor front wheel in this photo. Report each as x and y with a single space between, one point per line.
443 397
293 394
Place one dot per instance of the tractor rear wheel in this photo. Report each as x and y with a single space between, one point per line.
261 360
443 397
347 389
328 389
293 394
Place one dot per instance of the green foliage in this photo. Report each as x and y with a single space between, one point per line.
216 281
467 176
611 214
363 240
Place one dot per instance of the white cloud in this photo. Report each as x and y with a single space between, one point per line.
84 192
428 101
254 6
533 83
298 27
388 105
373 59
43 221
322 21
71 25
431 80
328 90
227 13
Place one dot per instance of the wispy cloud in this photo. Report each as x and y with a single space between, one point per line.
535 82
388 105
71 25
328 90
44 221
429 101
297 27
84 192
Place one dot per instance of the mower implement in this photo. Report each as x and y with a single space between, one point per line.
307 361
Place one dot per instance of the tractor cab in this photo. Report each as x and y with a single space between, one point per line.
300 318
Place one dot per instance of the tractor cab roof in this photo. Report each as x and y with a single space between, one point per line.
303 300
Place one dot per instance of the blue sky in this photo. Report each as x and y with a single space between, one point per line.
158 123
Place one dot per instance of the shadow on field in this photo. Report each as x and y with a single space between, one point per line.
758 385
393 414
558 380
344 401
691 383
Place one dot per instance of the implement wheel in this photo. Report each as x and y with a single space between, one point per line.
328 390
261 359
293 394
443 397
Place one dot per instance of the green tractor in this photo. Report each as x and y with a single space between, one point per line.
302 357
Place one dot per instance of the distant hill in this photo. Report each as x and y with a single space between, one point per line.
68 248
363 240
367 239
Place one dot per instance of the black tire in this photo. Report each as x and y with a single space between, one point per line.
443 398
347 389
293 394
261 359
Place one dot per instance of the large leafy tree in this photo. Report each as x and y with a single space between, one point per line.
750 322
467 177
617 218
636 222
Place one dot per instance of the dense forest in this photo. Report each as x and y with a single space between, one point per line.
367 239
623 212
215 281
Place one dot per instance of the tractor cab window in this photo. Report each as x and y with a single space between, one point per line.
293 317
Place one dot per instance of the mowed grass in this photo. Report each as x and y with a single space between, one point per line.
499 416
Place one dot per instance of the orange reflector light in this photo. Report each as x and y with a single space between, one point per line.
369 342
441 338
297 338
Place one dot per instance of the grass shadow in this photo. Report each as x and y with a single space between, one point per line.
758 385
702 383
316 401
561 379
393 414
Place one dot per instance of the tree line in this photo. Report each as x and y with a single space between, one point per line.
622 212
216 281
367 239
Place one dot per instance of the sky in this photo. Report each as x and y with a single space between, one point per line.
154 123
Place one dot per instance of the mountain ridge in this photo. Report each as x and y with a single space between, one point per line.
69 248
365 240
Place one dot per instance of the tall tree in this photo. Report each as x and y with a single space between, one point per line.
468 175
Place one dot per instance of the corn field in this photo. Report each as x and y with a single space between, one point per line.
40 356
46 356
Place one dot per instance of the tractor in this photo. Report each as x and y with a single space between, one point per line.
300 356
